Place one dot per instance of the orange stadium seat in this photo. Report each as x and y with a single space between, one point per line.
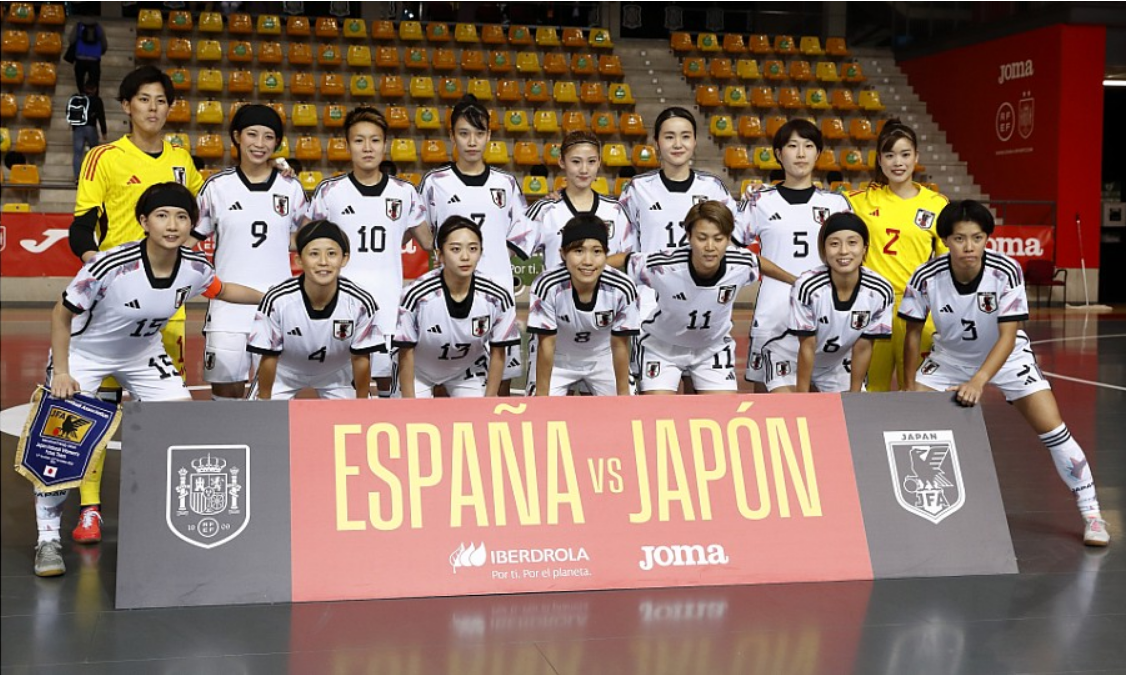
308 149
860 129
338 150
500 62
208 51
733 43
833 129
150 19
749 126
391 86
789 98
209 80
835 46
179 49
465 33
526 153
631 124
519 35
382 30
573 38
444 59
816 99
773 69
773 124
354 29
426 118
334 114
43 74
681 42
30 141
603 123
536 91
269 53
546 122
37 107
852 73
386 57
763 97
299 54
721 126
329 55
592 93
747 69
331 84
47 44
842 100
359 56
493 34
180 112
147 49
326 28
509 91
411 31
551 153
707 96
11 73
610 65
239 51
759 44
575 120
555 63
827 161
21 13
784 44
269 25
852 160
720 69
437 32
302 84
450 89
235 108
52 15
181 78
707 42
645 157
240 24
179 140
210 22
282 149
417 58
582 64
24 174
693 68
472 60
801 71
240 82
546 36
810 46
736 158
209 146
434 151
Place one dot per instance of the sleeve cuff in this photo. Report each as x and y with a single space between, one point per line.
803 333
876 336
505 343
262 352
403 343
72 308
1013 317
363 351
542 331
628 332
518 251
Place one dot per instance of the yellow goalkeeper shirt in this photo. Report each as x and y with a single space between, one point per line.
901 232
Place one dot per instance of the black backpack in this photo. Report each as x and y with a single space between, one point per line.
78 110
89 33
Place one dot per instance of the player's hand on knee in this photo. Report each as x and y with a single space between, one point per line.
63 385
968 394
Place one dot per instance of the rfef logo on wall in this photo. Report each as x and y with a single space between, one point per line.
925 473
208 493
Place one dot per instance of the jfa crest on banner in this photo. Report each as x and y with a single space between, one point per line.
182 296
500 197
924 219
281 205
726 294
481 325
859 319
820 214
394 208
342 329
208 493
603 319
925 474
987 302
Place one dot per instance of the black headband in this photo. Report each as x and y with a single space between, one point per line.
585 227
254 115
321 229
171 194
839 222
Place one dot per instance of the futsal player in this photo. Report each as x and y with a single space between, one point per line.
977 299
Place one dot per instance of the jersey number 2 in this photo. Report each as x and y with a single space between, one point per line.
893 237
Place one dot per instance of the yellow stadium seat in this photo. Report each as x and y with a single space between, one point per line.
326 27
14 42
810 46
308 148
707 96
500 62
359 56
150 19
302 84
735 158
749 126
209 146
17 207
816 99
239 51
827 72
719 68
764 159
8 107
338 149
508 91
575 120
418 58
209 112
427 118
620 94
733 43
210 80
784 44
721 126
52 15
603 123
860 129
645 157
827 161
592 93
329 55
179 49
147 48
842 100
852 73
526 153
599 38
5 139
271 82
354 29
774 70
801 71
681 42
773 124
450 88
403 150
750 183
747 69
208 50
843 187
493 34
37 107
789 98
482 89
496 153
546 122
434 151
269 24
361 86
240 82
24 174
551 153
707 42
853 160
331 84
386 57
832 129
465 32
310 180
528 63
43 74
472 60
519 35
397 118
601 185
299 54
534 186
11 73
444 59
573 38
546 36
21 13
30 141
181 78
410 31
210 22
422 87
835 46
870 100
282 149
694 68
240 24
735 97
437 32
305 115
583 64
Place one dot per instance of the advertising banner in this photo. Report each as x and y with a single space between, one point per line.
35 245
1024 242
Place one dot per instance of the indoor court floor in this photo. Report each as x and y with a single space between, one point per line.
1064 612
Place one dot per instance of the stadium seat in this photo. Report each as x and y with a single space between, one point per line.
17 207
417 58
386 57
329 55
282 149
210 80
361 86
551 153
631 125
496 153
735 157
310 180
209 146
534 186
832 129
354 29
500 62
610 65
240 82
733 43
308 148
526 153
764 159
603 123
560 183
784 44
235 108
747 69
326 27
759 44
444 59
601 185
720 69
620 184
210 22
536 91
528 63
30 141
555 63
465 33
21 13
181 78
208 51
305 115
180 112
707 96
827 72
853 160
239 51
422 87
860 129
516 121
8 107
835 46
681 42
37 107
546 36
575 120
645 157
763 97
404 150
852 73
271 82
334 114
147 49
707 42
269 25
437 32
15 42
774 123
721 126
519 35
789 98
840 186
434 151
11 73
599 38
583 64
179 49
592 93
816 99
302 84
509 91
827 161
150 19
359 56
694 68
573 38
5 139
240 24
472 60
493 34
735 97
749 126
43 74
337 150
870 100
24 174
411 177
748 184
842 100
269 53
426 118
391 86
615 155
209 112
481 88
450 88
565 92
494 119
773 70
299 54
52 15
546 122
810 46
801 71
620 94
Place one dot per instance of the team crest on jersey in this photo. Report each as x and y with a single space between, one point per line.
859 319
652 369
182 296
281 205
481 325
726 294
500 197
394 208
699 199
208 493
925 473
609 228
603 319
929 367
924 219
783 368
180 175
209 360
820 214
342 329
756 361
987 302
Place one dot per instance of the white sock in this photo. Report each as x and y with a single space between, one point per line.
49 514
216 397
383 393
1071 464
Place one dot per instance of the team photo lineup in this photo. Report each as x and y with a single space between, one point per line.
637 294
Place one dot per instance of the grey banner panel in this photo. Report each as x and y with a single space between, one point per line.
928 486
204 504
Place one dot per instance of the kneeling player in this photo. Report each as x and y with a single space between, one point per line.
136 288
455 324
690 333
309 328
838 309
584 315
977 298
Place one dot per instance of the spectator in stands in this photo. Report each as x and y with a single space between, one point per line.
13 158
88 42
84 126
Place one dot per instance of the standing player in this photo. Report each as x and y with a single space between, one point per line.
309 328
455 324
124 296
489 197
838 309
584 315
378 212
900 215
977 299
253 211
785 219
112 177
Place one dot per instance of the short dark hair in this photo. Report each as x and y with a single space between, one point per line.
717 212
364 114
841 221
803 128
169 194
455 223
967 210
472 110
142 76
670 113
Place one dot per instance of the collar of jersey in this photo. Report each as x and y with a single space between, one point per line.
128 139
472 181
706 283
795 197
966 289
257 187
154 281
846 305
370 190
677 185
329 309
586 306
459 309
574 211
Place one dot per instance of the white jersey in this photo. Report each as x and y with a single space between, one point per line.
312 345
583 330
786 224
376 218
816 310
692 312
492 199
124 306
451 339
252 224
966 317
544 228
656 207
